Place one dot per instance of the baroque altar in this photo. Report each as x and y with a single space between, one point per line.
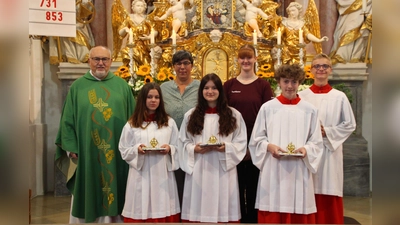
211 30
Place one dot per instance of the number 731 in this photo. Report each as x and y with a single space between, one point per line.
48 3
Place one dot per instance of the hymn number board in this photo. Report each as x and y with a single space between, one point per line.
52 18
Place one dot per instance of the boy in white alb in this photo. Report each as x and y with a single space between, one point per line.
337 123
286 125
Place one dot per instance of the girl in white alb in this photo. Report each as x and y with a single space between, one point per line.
149 145
211 191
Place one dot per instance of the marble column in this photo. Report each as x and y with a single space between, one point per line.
99 24
109 25
328 16
36 126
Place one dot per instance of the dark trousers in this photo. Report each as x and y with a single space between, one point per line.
248 180
180 182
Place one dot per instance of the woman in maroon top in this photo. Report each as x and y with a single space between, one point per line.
246 93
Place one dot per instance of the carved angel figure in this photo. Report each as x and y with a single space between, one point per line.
265 21
352 30
252 11
138 25
178 12
290 31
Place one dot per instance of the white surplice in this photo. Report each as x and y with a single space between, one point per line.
336 115
285 185
211 191
151 190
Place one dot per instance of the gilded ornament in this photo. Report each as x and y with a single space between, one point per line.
212 140
291 147
153 142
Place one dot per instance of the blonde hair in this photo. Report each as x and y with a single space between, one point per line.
322 56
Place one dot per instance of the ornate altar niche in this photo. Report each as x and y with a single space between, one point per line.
214 31
214 55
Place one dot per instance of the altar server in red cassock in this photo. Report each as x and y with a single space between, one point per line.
337 123
286 125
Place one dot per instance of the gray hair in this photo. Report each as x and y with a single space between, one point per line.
90 52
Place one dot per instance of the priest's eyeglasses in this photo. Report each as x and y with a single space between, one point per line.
98 59
319 66
185 63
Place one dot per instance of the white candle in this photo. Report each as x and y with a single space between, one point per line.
301 40
152 36
130 40
279 37
364 5
254 37
173 37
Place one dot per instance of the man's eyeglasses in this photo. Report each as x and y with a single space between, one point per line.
97 59
185 63
318 66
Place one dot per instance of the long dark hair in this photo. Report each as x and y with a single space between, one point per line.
227 122
140 114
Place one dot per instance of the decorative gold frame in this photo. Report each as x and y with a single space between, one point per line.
227 9
203 49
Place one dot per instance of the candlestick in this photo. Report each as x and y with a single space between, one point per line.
254 37
301 54
364 5
279 38
130 40
173 37
152 36
301 40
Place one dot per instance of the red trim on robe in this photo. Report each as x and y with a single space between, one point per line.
150 117
286 101
169 219
188 221
210 110
329 209
287 218
320 90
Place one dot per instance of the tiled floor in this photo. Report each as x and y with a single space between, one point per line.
48 209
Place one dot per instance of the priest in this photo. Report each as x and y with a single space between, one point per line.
95 110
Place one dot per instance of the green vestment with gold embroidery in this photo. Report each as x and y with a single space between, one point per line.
93 116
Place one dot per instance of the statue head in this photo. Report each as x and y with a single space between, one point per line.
256 2
215 35
139 6
173 2
157 52
294 9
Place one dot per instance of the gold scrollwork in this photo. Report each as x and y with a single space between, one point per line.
85 12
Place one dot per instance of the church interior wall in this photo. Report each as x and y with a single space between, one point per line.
367 116
52 89
52 108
